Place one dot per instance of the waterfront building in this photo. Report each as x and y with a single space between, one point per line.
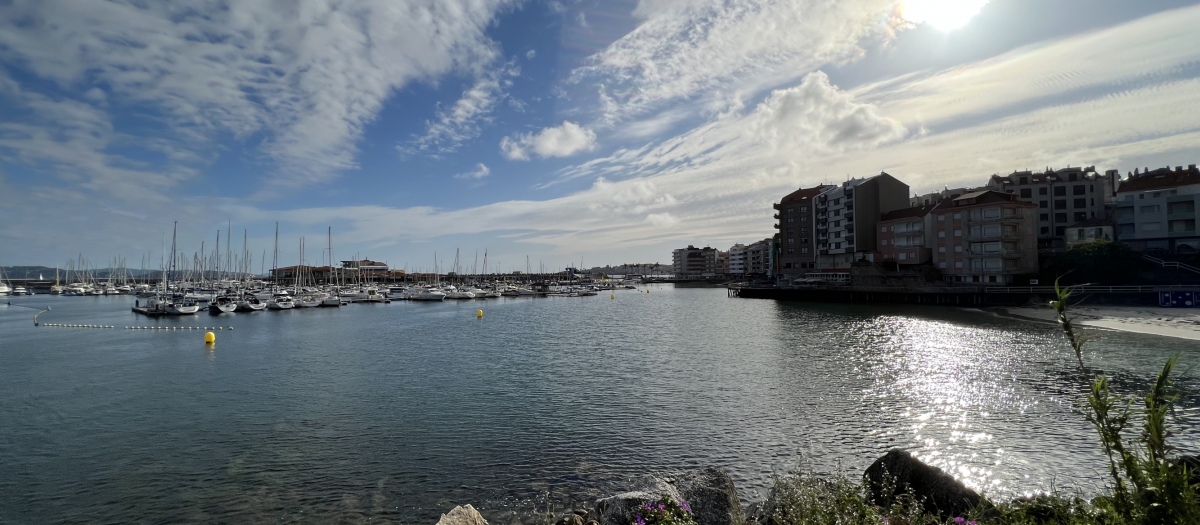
796 230
737 259
847 218
366 268
693 261
1091 230
320 274
906 235
1157 210
985 237
1063 197
760 258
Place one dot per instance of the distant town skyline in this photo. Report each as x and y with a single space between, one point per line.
561 131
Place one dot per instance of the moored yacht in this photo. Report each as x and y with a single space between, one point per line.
250 303
222 304
280 302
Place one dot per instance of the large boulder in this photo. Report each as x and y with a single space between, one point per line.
711 495
622 508
709 492
898 473
462 515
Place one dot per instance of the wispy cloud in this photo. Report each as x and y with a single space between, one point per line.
309 76
479 172
464 120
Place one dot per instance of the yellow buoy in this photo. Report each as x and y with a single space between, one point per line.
479 314
210 337
612 296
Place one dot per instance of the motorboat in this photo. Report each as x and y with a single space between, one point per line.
455 293
426 294
369 295
20 290
159 305
332 300
222 305
308 301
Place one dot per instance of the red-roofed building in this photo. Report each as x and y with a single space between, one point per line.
985 237
906 235
1157 210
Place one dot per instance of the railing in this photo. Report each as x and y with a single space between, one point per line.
1004 252
1090 289
1171 264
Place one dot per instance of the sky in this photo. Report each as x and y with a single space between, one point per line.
558 132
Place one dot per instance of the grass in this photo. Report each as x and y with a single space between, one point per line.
1148 486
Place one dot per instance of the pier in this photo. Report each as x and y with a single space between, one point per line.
963 296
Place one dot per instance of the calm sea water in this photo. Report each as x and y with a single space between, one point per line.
396 412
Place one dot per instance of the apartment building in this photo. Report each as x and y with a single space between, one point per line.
1157 210
847 218
695 261
906 235
935 197
760 258
796 214
1063 197
985 237
737 259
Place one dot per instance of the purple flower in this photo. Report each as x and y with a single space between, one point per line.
638 519
685 506
960 519
662 507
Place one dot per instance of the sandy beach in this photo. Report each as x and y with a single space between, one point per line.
1171 322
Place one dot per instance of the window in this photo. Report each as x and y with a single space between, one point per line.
1044 204
1060 204
941 265
1080 216
883 242
791 251
941 234
1044 217
803 209
958 264
790 230
903 256
791 219
992 264
883 229
1059 231
1026 193
1125 213
1060 191
941 249
791 241
1152 208
1041 191
804 229
804 240
1045 230
1183 225
958 233
789 210
957 215
1024 180
1093 201
1078 189
803 250
1181 207
941 217
1151 226
991 213
1080 203
991 231
958 249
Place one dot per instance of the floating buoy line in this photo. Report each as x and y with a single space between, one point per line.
152 328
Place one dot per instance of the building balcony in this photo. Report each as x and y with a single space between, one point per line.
849 216
775 205
1005 253
776 216
1003 236
777 226
997 220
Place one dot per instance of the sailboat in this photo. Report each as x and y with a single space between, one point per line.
163 303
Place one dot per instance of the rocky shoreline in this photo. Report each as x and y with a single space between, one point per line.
713 498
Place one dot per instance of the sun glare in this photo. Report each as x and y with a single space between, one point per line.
944 15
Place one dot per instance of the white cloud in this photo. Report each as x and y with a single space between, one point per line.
464 119
310 76
560 141
661 219
816 116
530 54
479 172
684 49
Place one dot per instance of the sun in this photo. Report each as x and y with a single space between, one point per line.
945 15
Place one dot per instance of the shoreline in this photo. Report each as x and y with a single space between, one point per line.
1180 323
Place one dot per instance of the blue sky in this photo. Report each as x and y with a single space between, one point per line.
560 131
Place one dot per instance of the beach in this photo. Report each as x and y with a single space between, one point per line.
1170 322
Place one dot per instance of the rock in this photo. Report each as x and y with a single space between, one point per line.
621 508
711 495
462 515
898 473
581 512
709 492
571 519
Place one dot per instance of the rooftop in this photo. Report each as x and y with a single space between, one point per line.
1161 178
907 213
982 197
805 193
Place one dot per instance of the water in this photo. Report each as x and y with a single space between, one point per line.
396 412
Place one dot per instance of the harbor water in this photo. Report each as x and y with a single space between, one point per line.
397 412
